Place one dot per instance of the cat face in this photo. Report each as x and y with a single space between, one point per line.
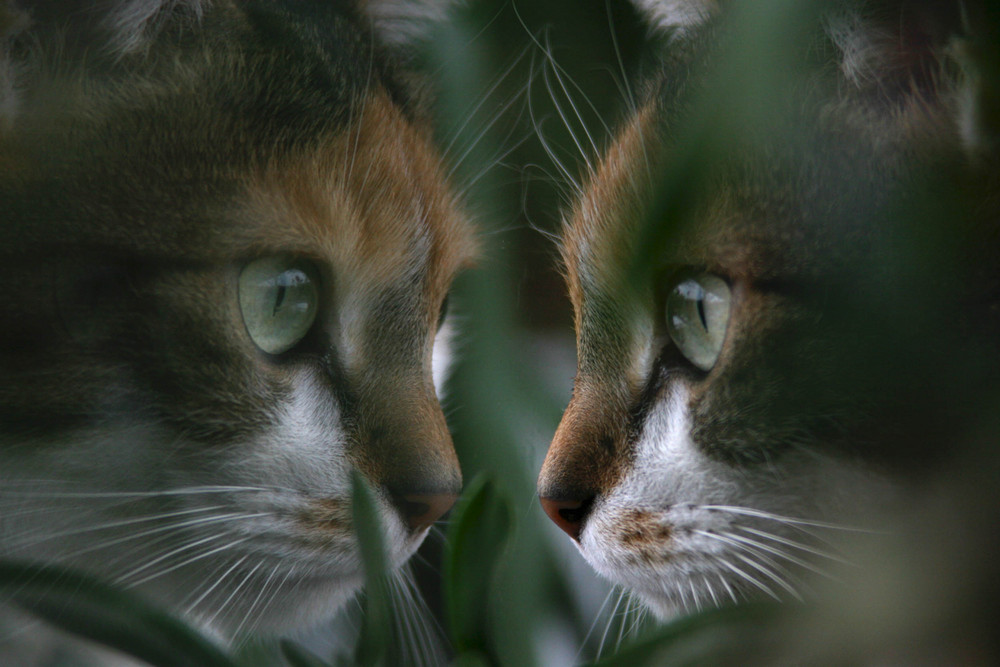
761 379
228 244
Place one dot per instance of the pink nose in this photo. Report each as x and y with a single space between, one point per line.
569 515
420 511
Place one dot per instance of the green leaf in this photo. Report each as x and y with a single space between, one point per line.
118 619
479 528
471 660
715 637
372 644
296 656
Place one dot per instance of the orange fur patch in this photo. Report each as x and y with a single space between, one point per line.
374 201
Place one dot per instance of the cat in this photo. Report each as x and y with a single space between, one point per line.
227 243
791 348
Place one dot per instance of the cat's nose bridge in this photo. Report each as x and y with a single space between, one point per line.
586 458
403 445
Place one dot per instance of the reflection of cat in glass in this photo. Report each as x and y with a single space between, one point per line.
226 246
801 347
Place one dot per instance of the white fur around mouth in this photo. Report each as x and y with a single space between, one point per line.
683 531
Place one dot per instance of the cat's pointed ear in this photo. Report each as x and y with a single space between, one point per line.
675 17
112 29
921 54
404 23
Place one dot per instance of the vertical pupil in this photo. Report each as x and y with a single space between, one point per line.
279 299
701 313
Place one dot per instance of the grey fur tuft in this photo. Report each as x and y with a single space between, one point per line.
677 16
133 23
405 22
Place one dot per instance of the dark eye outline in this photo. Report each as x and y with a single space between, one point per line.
443 312
667 281
314 271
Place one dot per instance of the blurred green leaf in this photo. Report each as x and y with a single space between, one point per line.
480 525
750 71
372 644
471 660
296 656
114 618
714 637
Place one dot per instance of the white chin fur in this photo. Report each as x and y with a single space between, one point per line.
679 529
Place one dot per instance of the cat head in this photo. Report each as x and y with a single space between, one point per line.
757 269
228 243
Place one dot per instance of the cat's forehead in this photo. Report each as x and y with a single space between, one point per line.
240 151
773 209
372 201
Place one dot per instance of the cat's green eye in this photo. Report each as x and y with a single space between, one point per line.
279 297
697 315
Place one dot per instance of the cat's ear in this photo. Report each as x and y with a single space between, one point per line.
924 54
405 23
675 17
112 29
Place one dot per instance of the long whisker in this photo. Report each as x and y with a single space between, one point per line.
771 574
629 96
611 619
185 491
758 564
243 582
566 122
218 581
433 632
170 554
184 563
793 543
748 577
785 519
729 589
597 617
778 553
248 614
485 98
558 68
711 590
118 524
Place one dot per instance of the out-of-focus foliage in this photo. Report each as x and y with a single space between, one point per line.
505 587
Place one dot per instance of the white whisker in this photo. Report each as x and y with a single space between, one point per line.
597 618
777 552
711 590
186 491
614 613
243 582
748 577
784 519
218 581
792 543
772 575
118 524
169 554
184 563
248 614
469 115
566 122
